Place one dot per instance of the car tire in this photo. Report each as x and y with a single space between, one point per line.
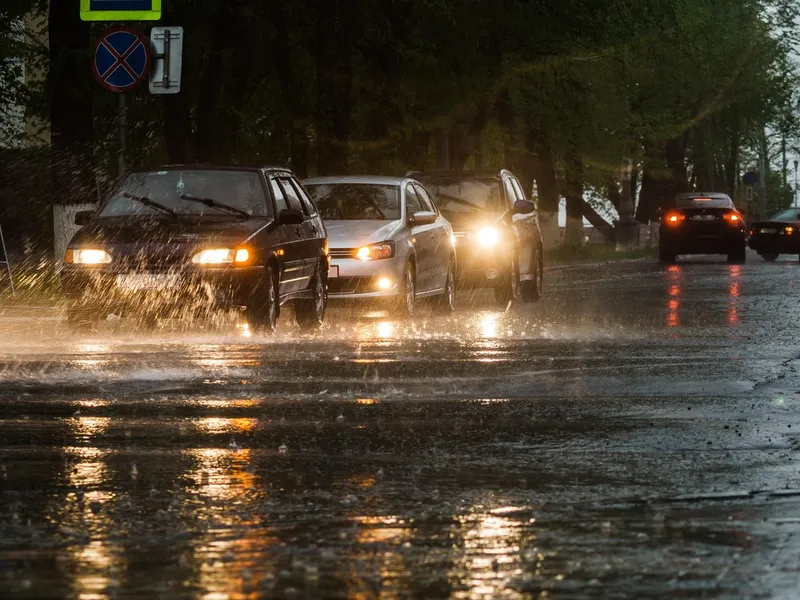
769 256
666 256
262 308
83 319
531 290
407 301
737 256
447 301
310 313
506 290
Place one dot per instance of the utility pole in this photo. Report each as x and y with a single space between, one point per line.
762 173
122 117
784 164
626 227
795 183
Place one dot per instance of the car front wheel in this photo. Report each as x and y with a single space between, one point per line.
507 289
531 289
262 307
447 301
310 313
407 301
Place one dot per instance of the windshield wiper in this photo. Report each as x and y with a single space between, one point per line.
462 201
151 203
216 204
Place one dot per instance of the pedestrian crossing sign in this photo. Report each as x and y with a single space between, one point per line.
120 10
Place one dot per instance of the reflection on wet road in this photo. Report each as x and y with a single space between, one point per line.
632 436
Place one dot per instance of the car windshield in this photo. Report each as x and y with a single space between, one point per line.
465 196
356 201
790 214
702 202
176 191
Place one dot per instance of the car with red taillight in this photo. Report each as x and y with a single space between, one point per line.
778 235
702 224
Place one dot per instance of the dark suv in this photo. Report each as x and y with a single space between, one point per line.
498 241
180 238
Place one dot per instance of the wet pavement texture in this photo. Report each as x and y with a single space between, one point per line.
633 435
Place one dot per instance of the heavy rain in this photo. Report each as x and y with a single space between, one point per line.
399 300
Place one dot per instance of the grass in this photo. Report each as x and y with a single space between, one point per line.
563 255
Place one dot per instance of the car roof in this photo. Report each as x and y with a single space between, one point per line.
715 195
460 174
207 167
365 179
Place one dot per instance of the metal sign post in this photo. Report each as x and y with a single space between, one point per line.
7 262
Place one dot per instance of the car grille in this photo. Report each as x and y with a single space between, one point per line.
351 285
343 252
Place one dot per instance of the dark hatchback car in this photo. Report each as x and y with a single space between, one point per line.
185 239
702 224
778 235
498 240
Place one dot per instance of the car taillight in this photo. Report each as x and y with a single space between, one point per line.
675 218
732 218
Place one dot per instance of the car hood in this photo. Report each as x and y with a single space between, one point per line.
148 231
353 234
471 222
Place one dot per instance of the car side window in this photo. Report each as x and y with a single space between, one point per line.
292 198
280 199
308 206
425 199
518 189
413 204
511 194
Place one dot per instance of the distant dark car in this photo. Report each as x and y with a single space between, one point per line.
187 238
702 224
778 235
496 228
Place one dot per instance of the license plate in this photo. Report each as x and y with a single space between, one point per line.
333 272
769 231
147 281
704 218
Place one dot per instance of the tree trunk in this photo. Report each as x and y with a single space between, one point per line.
70 87
544 172
573 192
598 222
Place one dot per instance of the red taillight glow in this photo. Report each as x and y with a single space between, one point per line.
675 218
733 218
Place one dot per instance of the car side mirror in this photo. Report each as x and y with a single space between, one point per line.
82 217
524 207
291 216
423 217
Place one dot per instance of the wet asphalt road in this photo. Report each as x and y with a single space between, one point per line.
634 435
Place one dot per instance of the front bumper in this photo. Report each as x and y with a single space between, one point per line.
480 266
353 279
201 289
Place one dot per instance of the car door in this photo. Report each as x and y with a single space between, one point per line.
442 245
422 236
291 252
527 234
313 229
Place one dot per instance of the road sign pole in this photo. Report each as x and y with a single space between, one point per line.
122 118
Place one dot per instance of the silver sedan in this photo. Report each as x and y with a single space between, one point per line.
387 240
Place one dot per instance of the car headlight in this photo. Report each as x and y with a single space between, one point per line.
87 256
488 236
376 251
222 256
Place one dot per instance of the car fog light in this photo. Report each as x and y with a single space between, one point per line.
491 274
384 283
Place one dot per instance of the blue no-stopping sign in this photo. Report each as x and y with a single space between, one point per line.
121 59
